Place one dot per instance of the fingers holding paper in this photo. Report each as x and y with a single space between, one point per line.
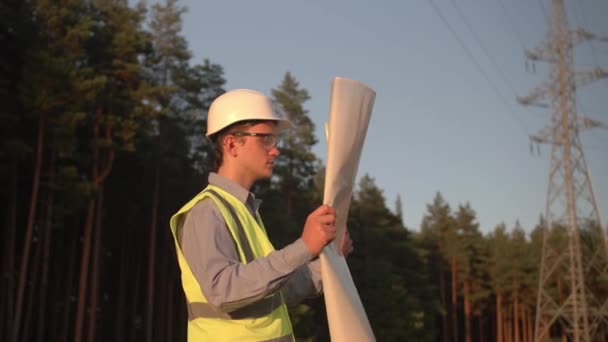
319 229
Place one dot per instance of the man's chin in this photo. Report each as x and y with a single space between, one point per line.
269 174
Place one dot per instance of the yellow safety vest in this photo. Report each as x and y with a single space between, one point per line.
266 319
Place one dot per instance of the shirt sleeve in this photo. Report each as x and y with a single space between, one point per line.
304 283
227 283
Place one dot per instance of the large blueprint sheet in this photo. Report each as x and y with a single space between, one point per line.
350 110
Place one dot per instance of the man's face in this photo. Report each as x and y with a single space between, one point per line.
257 149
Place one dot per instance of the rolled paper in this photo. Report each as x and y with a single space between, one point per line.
350 110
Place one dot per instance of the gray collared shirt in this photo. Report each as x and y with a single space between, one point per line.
226 282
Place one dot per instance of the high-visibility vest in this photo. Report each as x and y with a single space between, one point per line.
266 319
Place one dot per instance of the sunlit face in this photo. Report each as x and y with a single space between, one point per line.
257 149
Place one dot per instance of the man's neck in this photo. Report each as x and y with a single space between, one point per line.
236 177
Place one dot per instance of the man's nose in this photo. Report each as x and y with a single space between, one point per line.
274 151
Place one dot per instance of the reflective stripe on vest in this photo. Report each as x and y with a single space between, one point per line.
239 227
261 308
286 338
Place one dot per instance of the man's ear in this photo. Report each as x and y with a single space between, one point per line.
229 144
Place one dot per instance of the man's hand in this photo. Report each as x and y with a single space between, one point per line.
347 244
319 229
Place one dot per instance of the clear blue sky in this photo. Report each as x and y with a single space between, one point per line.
445 117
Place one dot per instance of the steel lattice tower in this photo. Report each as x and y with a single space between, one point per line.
575 248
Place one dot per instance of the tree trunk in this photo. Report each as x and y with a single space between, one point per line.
164 291
504 326
524 323
170 310
530 320
454 269
97 177
467 311
499 319
97 245
151 256
444 303
48 233
8 264
480 320
68 290
509 325
516 313
86 243
32 295
135 294
84 267
122 293
29 229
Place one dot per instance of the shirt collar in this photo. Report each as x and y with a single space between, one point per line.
235 190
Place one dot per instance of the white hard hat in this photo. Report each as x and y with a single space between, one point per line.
241 105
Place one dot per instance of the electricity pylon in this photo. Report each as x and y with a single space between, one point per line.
571 300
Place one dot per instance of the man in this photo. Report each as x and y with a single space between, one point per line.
237 286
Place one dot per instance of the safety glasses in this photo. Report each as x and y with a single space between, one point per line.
269 140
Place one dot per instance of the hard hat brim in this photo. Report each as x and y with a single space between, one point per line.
282 125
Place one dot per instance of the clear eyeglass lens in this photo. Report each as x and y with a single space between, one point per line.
271 140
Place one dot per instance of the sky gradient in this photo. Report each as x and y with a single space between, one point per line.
446 74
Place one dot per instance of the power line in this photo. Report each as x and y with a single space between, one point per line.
512 26
578 13
478 66
591 44
483 48
581 23
542 7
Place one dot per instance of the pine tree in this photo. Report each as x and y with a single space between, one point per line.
204 82
169 57
118 102
297 165
399 274
52 44
17 28
399 208
471 257
436 225
173 148
498 266
517 257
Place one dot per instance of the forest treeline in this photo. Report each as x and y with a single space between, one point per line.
102 140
